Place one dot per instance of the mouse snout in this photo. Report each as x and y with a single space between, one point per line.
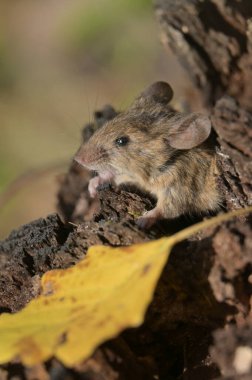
83 158
79 159
89 157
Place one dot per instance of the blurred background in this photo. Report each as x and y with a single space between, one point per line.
59 61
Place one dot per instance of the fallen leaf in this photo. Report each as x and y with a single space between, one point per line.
85 305
82 306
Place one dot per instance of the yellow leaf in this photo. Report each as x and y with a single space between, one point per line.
83 306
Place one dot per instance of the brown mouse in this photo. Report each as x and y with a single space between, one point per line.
164 152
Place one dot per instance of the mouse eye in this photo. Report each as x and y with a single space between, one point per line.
122 141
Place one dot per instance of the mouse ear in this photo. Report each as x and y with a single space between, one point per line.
158 92
186 132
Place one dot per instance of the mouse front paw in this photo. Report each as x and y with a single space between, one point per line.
149 218
92 186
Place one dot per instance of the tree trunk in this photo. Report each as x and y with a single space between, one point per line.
213 40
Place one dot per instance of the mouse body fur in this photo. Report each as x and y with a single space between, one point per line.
166 153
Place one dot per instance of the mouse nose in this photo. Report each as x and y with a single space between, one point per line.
79 160
88 157
81 157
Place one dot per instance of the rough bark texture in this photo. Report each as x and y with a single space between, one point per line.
233 126
199 325
213 40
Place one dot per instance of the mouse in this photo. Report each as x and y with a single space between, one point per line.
167 153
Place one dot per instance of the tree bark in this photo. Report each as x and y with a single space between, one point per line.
213 40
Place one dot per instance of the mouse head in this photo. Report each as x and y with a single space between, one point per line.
141 138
